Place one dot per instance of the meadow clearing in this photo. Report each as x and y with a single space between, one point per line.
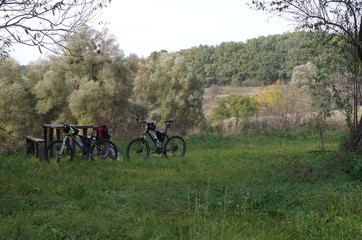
261 186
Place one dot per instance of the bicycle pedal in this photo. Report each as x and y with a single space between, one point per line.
158 151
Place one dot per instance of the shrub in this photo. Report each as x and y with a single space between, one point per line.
353 165
235 105
285 104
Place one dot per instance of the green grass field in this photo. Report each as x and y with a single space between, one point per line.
226 187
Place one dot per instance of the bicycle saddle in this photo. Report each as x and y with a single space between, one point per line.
169 121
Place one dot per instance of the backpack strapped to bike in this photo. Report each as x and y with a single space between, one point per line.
102 132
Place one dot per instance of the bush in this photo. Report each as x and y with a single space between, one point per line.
353 165
235 105
283 104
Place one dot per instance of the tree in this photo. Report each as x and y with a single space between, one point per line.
200 59
314 92
235 105
142 90
228 61
99 76
91 86
34 72
43 23
170 89
16 113
52 92
298 49
342 22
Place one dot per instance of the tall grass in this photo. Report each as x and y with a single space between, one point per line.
226 187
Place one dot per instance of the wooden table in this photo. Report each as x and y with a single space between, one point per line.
50 129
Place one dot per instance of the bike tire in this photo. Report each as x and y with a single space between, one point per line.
53 153
103 149
175 146
138 149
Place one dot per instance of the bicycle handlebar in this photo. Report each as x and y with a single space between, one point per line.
145 122
152 126
69 129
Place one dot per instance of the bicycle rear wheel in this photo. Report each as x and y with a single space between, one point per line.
55 152
138 149
103 149
175 147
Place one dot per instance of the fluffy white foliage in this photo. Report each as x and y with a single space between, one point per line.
51 92
91 87
15 107
176 91
303 75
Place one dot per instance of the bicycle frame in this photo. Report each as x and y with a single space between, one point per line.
90 146
80 143
165 144
155 141
63 145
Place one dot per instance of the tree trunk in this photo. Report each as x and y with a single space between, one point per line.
356 136
359 44
356 142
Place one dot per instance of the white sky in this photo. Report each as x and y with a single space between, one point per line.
144 26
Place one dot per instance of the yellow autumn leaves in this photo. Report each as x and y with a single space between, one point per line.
284 103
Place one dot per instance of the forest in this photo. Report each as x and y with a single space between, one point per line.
93 82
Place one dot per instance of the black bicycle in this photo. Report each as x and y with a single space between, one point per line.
139 149
63 151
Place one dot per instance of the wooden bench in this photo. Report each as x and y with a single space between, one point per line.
35 146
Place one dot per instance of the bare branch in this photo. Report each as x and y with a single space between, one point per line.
44 23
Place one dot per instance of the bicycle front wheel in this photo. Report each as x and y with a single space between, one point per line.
138 149
175 147
57 152
103 149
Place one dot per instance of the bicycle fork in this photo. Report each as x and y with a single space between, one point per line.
60 152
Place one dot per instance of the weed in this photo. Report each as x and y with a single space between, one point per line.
353 165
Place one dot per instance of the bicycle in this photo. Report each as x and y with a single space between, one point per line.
62 150
174 146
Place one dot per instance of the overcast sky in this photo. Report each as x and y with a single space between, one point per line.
144 26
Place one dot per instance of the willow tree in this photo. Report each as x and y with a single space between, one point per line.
90 86
43 23
170 89
341 25
16 114
51 91
100 78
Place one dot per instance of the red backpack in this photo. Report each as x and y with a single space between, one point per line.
102 132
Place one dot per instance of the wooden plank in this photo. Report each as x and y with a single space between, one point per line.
34 139
51 135
57 134
45 135
60 126
35 146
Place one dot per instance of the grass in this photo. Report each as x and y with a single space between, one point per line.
226 187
